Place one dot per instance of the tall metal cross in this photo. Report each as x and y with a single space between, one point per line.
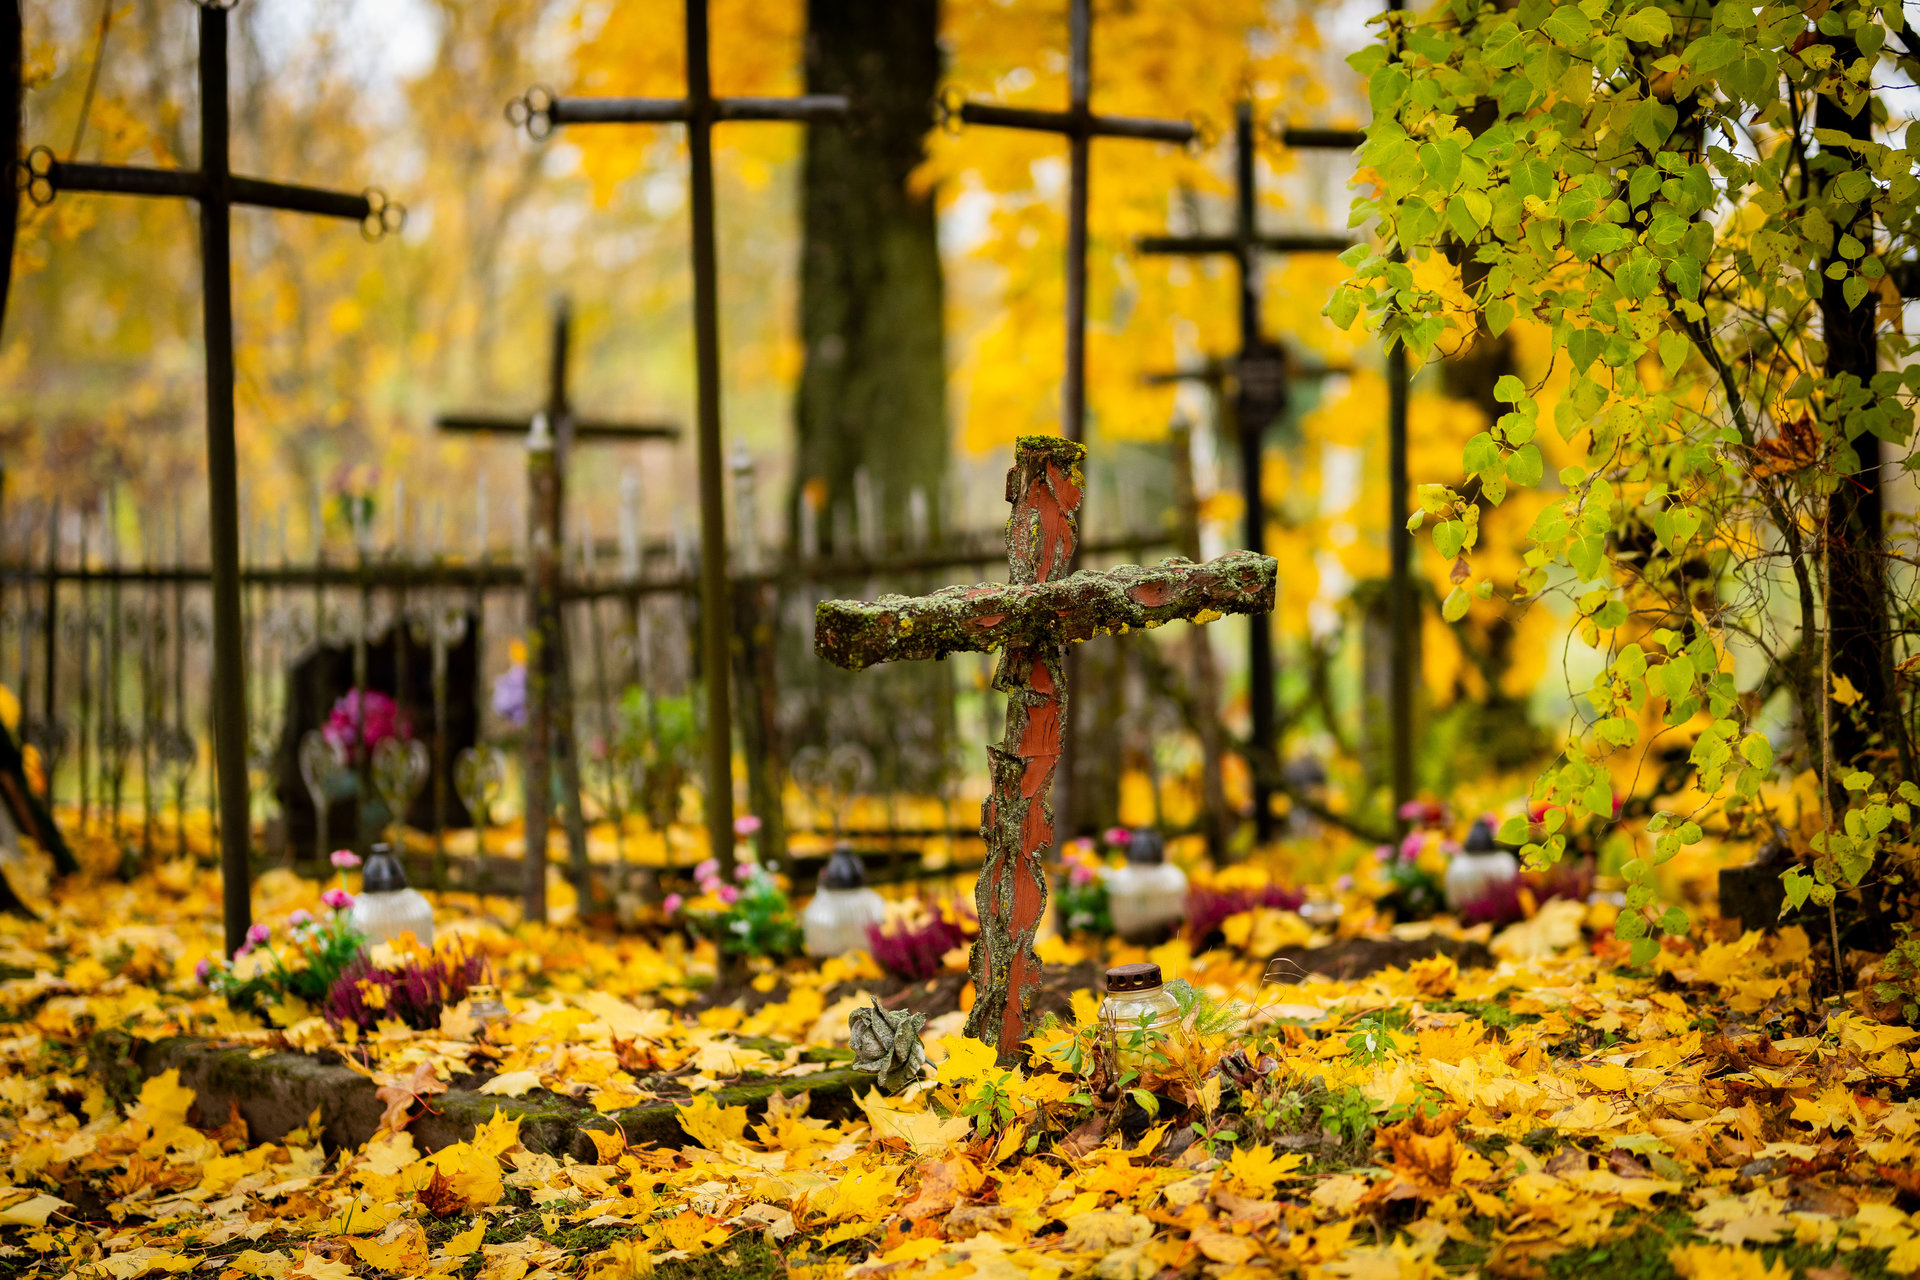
1080 126
550 436
217 189
541 112
1261 372
1031 620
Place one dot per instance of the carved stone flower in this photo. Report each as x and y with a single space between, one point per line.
887 1044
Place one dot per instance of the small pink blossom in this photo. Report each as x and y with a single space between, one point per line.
1119 836
727 894
300 918
1080 873
707 870
259 934
203 971
744 872
672 904
345 859
338 899
745 825
246 949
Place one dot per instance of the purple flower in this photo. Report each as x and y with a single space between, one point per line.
510 695
204 971
745 825
672 903
300 919
338 899
259 934
727 894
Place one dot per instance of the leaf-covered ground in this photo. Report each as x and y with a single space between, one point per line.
1554 1115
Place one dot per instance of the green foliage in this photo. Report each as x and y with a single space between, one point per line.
1646 181
657 737
303 962
1899 981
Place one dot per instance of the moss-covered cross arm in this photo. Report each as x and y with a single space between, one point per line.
1029 621
855 633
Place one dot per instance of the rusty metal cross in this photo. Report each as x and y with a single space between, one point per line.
1030 620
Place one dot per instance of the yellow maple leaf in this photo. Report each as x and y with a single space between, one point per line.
252 1262
399 1250
1262 1168
462 1246
33 1211
967 1059
1716 1262
712 1125
922 1130
146 1261
511 1084
164 1103
497 1136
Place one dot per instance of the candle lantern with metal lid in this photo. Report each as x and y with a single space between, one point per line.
1137 1013
1147 896
486 1007
1479 868
387 907
843 907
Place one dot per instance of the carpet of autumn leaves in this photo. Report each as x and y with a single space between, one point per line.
1555 1114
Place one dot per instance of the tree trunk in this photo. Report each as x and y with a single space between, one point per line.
873 383
1857 615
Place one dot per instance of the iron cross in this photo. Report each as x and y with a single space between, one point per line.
1079 125
541 112
217 189
1261 374
1031 620
550 717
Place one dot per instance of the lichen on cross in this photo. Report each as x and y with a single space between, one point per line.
1030 620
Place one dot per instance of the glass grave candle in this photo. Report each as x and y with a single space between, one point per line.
1137 1013
387 907
1480 868
1148 896
836 921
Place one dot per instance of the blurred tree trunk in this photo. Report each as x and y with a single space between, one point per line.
873 384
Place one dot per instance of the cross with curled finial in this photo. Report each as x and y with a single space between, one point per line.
1031 620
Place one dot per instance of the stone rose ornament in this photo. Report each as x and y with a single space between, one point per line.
888 1045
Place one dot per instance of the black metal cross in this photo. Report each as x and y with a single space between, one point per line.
217 189
541 112
1261 373
1079 125
549 709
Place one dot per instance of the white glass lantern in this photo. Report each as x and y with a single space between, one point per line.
387 908
1479 868
1148 896
843 908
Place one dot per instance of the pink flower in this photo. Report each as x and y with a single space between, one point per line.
672 904
727 894
203 971
338 899
345 859
1080 873
368 721
1119 836
300 918
745 825
707 870
1410 847
259 934
744 872
246 949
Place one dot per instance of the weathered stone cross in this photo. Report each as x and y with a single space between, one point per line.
1031 620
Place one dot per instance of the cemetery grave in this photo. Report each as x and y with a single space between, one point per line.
449 828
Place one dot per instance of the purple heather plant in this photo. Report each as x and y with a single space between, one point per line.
1208 909
913 951
415 993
